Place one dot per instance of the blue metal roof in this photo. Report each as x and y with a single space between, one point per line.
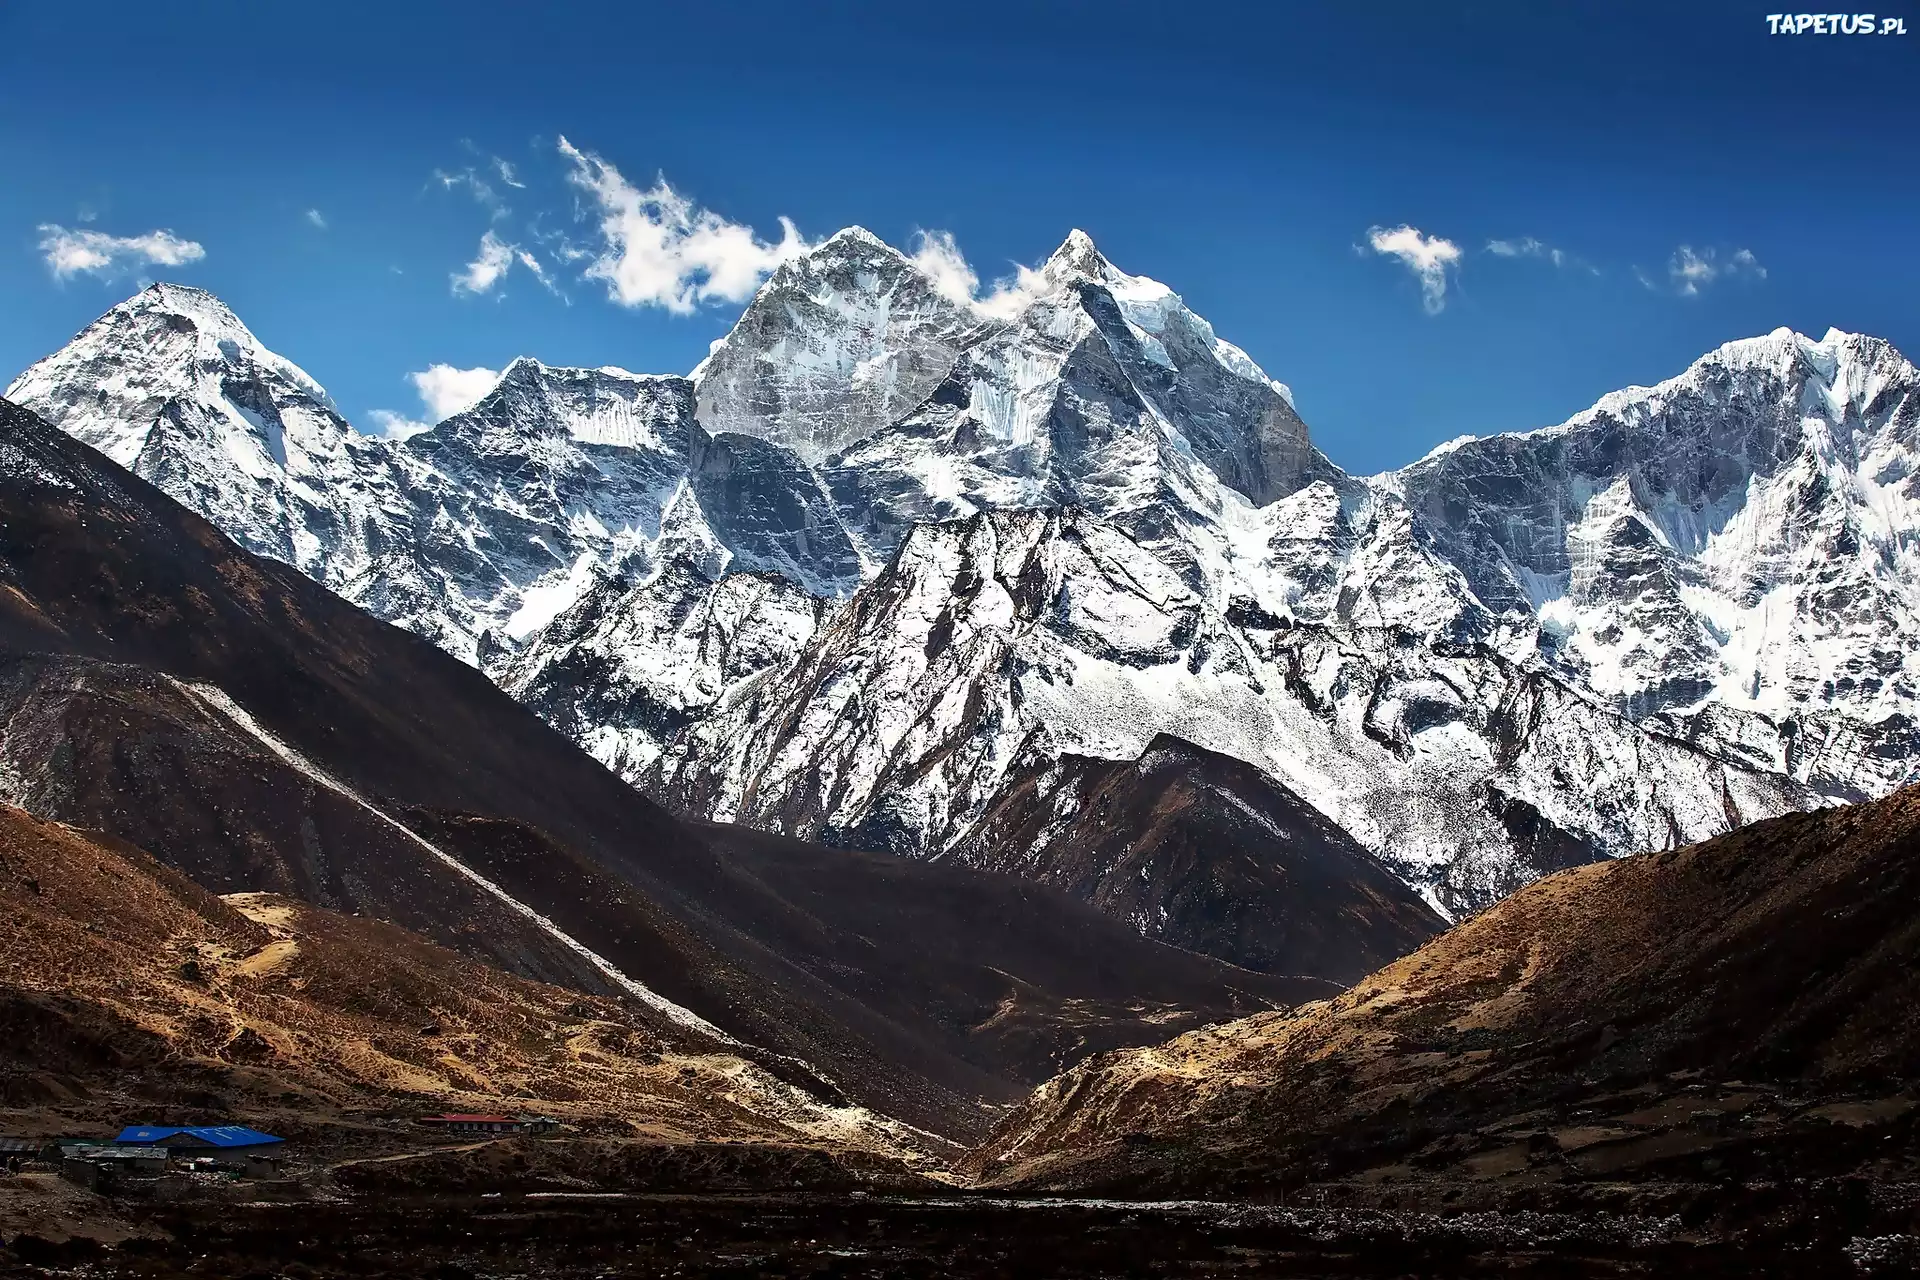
221 1135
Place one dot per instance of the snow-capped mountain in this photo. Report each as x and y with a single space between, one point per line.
840 343
473 534
976 537
631 663
1012 637
173 387
1732 556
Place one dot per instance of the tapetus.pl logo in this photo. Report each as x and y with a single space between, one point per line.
1834 24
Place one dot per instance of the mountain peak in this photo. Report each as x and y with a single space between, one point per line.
854 235
206 311
855 244
1077 255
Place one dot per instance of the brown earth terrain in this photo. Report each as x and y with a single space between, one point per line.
1738 1013
128 994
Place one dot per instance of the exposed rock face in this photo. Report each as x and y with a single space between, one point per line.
1735 1010
630 664
839 344
1205 852
1730 555
1011 638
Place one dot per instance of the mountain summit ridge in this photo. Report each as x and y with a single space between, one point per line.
1721 569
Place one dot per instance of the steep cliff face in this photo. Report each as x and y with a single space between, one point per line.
992 644
1733 555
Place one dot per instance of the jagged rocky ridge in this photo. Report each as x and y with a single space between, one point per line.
1688 608
1732 556
1014 635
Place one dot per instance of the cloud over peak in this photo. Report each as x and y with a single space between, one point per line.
657 248
938 255
444 391
68 253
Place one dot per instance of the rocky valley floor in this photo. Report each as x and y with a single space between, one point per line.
1829 1228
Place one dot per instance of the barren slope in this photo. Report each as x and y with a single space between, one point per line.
1205 852
125 985
1739 1008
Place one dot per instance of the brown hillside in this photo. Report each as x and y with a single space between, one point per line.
1742 1008
128 993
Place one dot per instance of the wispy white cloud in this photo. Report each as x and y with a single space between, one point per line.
937 254
539 271
1532 247
1690 270
1527 247
68 253
317 219
1428 257
490 264
444 391
506 172
657 248
476 186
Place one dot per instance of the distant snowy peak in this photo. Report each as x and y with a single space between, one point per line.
1147 305
604 406
175 348
854 337
1734 552
171 385
1851 370
836 345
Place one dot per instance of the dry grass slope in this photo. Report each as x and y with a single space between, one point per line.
127 991
1742 1004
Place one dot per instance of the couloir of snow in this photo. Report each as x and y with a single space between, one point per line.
887 545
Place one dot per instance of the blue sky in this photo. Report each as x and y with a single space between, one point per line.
1241 154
